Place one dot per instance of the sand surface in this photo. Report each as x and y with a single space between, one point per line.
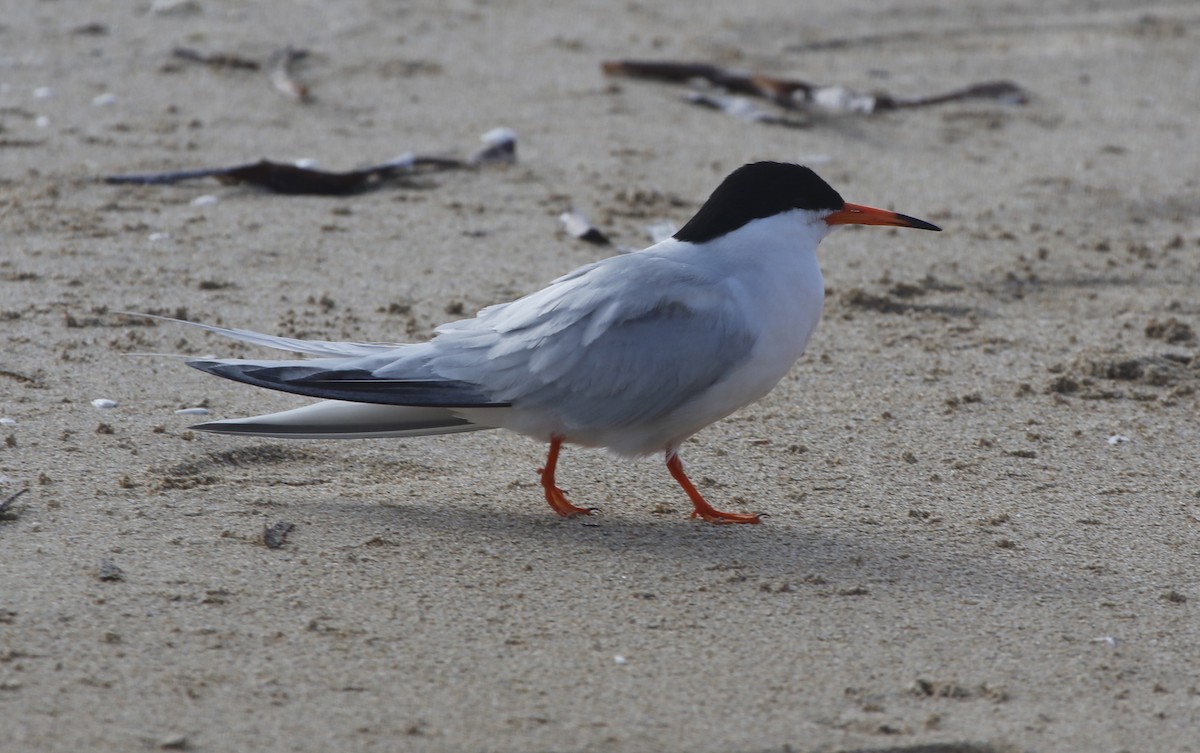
982 479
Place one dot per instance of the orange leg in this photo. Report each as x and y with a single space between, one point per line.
558 501
703 509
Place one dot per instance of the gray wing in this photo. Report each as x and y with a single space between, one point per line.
619 342
615 343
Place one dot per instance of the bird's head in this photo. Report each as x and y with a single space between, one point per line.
766 189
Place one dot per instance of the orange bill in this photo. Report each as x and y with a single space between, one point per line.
857 214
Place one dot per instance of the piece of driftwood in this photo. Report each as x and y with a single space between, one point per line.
215 60
500 145
6 511
281 177
795 93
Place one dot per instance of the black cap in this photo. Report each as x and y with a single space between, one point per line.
757 190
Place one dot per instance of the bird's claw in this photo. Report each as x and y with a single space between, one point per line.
568 510
721 517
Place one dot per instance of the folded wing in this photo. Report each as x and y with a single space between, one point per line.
620 342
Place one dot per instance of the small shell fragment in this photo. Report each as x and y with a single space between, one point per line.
206 200
173 742
282 78
500 145
1117 439
104 403
6 421
577 226
176 7
403 162
192 412
843 99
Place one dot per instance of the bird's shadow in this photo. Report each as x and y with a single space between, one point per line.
773 550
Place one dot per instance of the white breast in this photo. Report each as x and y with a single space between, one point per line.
772 264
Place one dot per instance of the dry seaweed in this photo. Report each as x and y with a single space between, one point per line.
215 60
286 178
797 94
6 511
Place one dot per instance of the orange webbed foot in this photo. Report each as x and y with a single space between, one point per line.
559 502
702 509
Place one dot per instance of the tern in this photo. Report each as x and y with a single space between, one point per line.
634 353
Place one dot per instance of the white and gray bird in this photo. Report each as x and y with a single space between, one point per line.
634 353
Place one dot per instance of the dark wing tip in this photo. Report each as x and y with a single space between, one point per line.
353 385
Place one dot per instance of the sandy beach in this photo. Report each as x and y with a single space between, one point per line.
982 479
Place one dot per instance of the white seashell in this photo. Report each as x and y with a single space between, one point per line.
403 162
104 403
176 7
577 226
499 135
842 99
206 200
192 412
500 145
